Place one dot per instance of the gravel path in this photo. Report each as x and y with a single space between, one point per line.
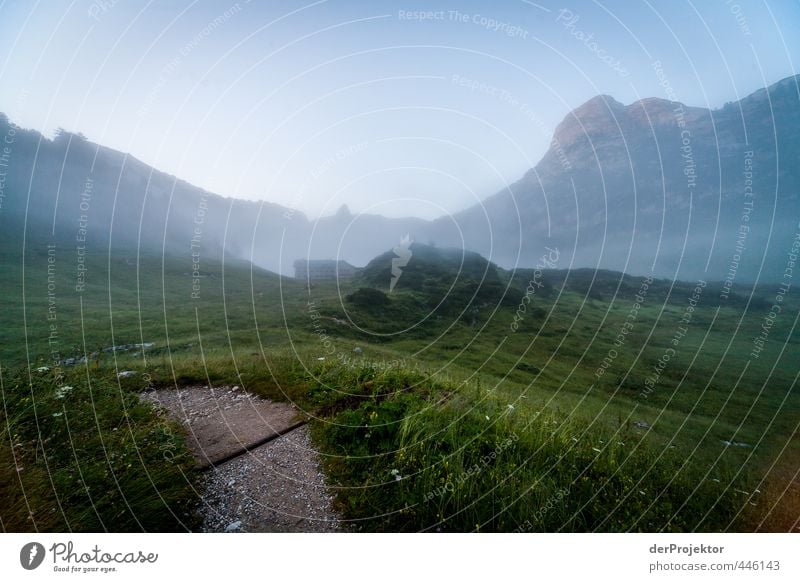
276 487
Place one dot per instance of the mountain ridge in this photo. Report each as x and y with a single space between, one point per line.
612 191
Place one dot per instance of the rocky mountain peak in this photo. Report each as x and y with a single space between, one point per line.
594 117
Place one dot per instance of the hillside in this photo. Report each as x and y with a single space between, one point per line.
56 190
655 186
424 400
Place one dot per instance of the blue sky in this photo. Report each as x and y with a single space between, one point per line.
399 108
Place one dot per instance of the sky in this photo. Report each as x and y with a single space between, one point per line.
418 108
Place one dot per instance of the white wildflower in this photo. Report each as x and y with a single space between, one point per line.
63 391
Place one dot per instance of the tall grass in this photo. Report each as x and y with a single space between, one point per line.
88 455
425 455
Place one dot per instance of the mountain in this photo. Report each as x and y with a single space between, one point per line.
67 189
684 192
655 185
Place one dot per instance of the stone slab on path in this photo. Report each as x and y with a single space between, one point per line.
222 422
250 485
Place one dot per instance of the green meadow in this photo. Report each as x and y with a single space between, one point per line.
468 399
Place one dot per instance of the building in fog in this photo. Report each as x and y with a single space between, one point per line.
322 269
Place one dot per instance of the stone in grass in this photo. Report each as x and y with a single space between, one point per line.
735 444
126 374
641 424
233 526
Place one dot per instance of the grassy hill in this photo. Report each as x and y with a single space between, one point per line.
468 398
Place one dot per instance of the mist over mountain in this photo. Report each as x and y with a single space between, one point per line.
69 188
684 192
655 185
77 193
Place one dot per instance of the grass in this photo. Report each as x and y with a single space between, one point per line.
399 402
409 463
84 454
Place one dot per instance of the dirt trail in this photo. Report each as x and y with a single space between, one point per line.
277 486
